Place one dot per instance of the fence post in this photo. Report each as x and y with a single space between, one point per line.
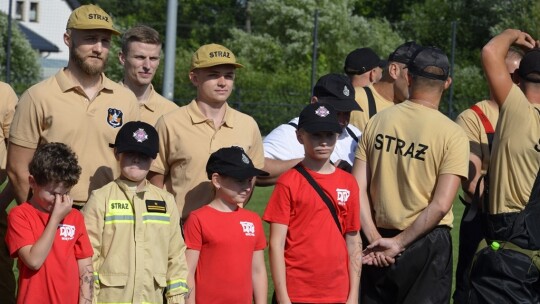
314 55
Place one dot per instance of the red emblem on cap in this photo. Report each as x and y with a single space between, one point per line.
140 135
322 111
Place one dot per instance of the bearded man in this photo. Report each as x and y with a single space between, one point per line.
79 106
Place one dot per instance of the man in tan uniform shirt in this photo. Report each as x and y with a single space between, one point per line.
470 230
140 56
79 106
364 67
8 102
514 166
392 88
188 135
408 166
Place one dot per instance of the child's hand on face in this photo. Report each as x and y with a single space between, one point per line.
62 205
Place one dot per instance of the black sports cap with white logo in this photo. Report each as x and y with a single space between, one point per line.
319 117
530 64
137 136
337 90
232 162
430 57
404 52
362 60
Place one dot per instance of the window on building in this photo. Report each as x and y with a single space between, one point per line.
33 12
19 10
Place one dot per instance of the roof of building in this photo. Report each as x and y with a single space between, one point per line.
38 42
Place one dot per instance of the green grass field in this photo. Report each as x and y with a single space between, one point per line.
262 194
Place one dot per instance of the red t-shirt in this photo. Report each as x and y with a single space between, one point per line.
226 241
57 281
316 257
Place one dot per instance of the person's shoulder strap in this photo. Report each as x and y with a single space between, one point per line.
321 193
351 134
290 123
371 102
490 131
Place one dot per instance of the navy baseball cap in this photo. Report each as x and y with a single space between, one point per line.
232 162
337 90
404 52
319 117
362 60
430 57
137 136
530 64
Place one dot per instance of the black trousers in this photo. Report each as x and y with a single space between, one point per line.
503 276
422 274
470 235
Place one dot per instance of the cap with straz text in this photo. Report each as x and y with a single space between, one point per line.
91 17
210 55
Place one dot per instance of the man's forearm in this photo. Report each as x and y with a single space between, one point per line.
275 167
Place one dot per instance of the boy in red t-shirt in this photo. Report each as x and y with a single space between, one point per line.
314 259
225 243
48 236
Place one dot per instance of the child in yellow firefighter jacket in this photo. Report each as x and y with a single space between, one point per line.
134 228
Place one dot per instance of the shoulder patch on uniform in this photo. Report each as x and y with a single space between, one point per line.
115 118
156 206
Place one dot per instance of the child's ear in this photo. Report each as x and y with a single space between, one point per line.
299 136
215 180
31 181
116 155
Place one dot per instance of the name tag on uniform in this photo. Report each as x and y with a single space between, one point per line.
156 206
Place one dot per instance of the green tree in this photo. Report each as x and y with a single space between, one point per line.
25 67
518 14
278 51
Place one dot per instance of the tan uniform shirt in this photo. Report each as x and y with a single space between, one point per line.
187 138
155 106
55 110
516 154
7 109
473 127
137 244
359 119
407 147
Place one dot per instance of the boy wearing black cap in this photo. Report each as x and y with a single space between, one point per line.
281 148
225 243
409 164
315 248
134 228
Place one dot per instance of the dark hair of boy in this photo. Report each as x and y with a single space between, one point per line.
55 163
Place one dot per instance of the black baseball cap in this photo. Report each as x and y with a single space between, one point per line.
404 52
530 64
137 136
337 90
362 60
232 162
319 117
430 57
